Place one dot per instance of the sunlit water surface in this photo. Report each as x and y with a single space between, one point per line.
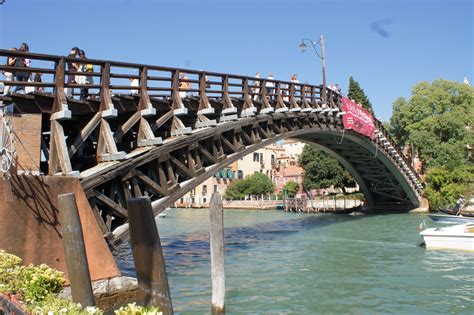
288 263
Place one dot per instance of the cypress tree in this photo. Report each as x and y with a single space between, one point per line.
358 95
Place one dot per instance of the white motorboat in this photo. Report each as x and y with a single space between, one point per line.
458 237
162 215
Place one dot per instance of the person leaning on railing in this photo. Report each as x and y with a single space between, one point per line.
84 79
22 76
71 67
9 75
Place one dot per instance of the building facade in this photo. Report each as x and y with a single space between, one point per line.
270 160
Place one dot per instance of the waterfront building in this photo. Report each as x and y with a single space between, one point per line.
288 173
271 160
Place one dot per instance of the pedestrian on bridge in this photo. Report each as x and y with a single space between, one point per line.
270 86
72 67
184 85
84 79
9 75
256 87
20 62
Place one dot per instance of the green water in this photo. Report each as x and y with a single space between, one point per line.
289 263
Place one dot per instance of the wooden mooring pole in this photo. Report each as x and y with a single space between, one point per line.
148 255
75 251
216 217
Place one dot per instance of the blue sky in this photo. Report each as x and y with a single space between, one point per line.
427 39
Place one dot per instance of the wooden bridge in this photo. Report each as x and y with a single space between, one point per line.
154 131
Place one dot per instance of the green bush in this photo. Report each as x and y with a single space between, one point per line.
41 281
8 261
38 286
132 309
9 270
444 185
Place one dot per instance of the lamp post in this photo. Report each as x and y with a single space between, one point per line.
303 48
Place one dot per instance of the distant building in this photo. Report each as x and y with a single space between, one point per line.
288 173
271 160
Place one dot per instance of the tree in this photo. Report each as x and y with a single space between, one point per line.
259 184
357 94
444 184
321 170
255 184
291 188
438 120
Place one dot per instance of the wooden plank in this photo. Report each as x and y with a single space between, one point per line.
122 130
95 210
148 181
75 250
85 133
182 167
207 155
122 212
61 147
148 255
160 121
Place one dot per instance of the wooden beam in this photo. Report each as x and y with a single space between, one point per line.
85 133
149 182
216 218
122 212
148 255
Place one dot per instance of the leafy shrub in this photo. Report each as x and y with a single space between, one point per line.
55 305
8 261
133 309
444 185
9 269
40 282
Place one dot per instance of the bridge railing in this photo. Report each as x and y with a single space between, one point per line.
386 134
111 77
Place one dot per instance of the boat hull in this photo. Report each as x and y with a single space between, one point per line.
450 219
457 237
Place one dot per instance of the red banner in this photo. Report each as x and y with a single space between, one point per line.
357 118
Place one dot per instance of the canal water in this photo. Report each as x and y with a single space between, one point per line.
291 263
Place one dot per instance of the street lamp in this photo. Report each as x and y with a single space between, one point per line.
303 48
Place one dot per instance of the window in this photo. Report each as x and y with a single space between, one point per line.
204 200
273 158
261 157
215 188
204 190
240 174
256 157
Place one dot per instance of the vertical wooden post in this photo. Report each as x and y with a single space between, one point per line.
75 251
148 255
216 216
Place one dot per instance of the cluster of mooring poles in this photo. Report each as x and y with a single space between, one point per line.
147 253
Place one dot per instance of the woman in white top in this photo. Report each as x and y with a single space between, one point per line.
270 86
